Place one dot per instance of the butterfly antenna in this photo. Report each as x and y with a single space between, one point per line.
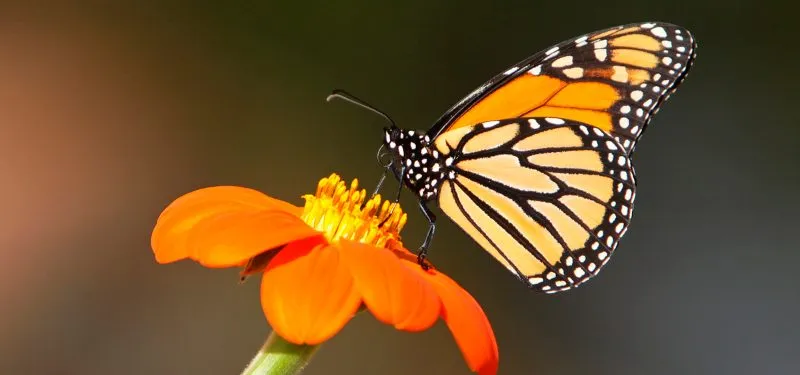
344 95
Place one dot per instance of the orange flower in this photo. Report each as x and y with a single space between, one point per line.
322 262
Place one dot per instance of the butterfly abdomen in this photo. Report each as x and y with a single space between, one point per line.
421 166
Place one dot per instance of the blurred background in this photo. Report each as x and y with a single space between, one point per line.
110 112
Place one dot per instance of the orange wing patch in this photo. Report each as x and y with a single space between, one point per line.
530 95
637 76
517 97
639 41
585 95
634 57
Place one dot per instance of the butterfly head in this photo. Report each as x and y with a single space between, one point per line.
415 161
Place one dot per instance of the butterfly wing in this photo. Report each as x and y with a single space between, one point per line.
549 198
613 79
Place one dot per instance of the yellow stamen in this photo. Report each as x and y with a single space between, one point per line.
341 213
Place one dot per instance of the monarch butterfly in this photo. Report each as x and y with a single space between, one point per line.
535 163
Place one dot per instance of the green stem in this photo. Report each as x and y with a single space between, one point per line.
280 357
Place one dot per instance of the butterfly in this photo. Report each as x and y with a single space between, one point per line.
535 164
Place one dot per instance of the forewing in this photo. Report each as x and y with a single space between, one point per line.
614 79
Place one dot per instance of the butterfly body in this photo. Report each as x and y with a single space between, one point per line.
535 164
421 168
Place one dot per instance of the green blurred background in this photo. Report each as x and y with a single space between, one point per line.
108 112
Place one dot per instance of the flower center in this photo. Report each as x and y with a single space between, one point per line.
342 213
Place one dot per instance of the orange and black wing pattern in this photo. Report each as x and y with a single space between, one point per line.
549 198
613 79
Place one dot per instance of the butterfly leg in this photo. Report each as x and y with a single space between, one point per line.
399 188
379 184
422 254
396 198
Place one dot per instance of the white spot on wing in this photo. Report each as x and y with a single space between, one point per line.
620 74
573 73
659 32
600 54
511 71
554 121
562 62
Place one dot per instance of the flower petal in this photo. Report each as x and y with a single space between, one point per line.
392 292
468 323
179 218
231 239
307 292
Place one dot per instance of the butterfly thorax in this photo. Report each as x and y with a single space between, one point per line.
421 167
